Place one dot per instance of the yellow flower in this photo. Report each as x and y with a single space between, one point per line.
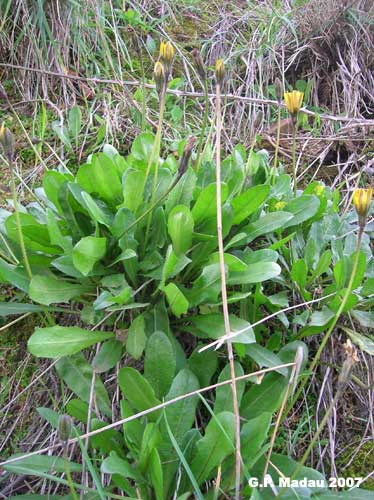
280 205
294 101
319 189
361 202
2 132
220 71
167 52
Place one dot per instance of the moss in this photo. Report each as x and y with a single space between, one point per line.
362 464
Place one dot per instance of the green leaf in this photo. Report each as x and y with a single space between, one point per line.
151 439
52 417
117 465
55 341
252 435
299 273
62 133
35 235
303 208
267 224
142 146
322 317
177 301
264 397
180 228
181 414
108 356
87 252
55 234
138 391
287 466
212 326
159 363
206 287
75 121
50 290
233 263
245 204
182 193
365 318
101 177
215 446
38 464
322 265
255 273
223 400
17 308
99 213
77 374
132 180
136 337
15 275
78 409
264 357
156 474
52 182
206 203
203 365
364 343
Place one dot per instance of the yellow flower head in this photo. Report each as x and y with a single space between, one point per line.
319 189
220 71
294 101
361 202
280 205
167 52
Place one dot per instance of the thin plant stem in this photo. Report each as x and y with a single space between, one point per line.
154 155
294 131
277 143
18 220
341 385
335 319
68 474
291 382
204 125
224 293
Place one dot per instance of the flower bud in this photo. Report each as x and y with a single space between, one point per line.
7 142
293 101
220 71
199 64
278 88
361 201
64 427
258 119
3 94
186 155
159 76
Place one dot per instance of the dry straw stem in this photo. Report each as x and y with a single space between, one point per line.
147 412
220 77
219 342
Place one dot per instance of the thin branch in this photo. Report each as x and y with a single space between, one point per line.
219 342
225 306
